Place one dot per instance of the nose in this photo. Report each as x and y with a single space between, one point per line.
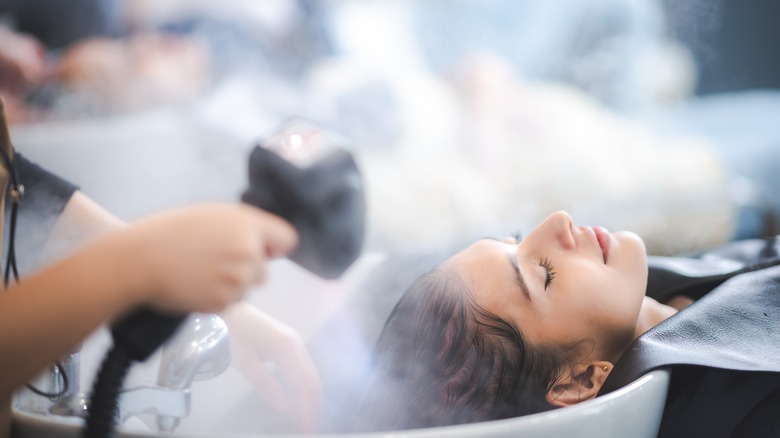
560 225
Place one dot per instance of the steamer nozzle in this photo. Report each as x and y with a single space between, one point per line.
305 175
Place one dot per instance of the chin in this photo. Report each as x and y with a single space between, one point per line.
633 253
632 240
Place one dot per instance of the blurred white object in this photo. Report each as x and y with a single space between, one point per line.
273 16
617 51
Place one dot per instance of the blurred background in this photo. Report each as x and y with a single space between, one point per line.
469 118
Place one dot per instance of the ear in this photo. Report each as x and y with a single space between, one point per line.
578 384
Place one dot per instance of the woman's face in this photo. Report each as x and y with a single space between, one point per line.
561 284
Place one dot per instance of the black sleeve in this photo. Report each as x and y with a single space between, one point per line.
45 197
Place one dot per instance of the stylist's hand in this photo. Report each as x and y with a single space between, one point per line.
202 258
257 340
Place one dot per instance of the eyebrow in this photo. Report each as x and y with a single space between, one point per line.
516 267
519 275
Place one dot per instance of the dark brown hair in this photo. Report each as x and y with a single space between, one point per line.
443 360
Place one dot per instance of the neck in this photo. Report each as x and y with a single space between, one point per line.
651 314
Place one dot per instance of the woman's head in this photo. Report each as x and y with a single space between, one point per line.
441 360
506 328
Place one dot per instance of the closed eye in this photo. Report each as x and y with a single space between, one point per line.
547 265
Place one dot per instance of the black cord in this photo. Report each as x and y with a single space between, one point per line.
58 394
10 262
16 197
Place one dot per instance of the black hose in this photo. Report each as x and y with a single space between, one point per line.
103 404
136 337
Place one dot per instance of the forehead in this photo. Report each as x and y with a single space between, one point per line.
485 269
483 251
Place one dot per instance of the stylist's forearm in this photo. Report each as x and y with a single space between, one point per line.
67 301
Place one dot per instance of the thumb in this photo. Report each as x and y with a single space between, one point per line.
278 236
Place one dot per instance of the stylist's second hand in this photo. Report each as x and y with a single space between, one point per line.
294 388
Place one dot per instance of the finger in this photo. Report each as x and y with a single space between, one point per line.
234 279
279 237
221 298
303 379
254 271
308 403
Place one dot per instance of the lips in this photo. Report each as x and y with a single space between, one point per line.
604 239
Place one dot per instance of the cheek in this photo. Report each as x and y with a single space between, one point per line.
620 316
586 304
609 302
602 300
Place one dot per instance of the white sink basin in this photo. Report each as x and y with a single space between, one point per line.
631 411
